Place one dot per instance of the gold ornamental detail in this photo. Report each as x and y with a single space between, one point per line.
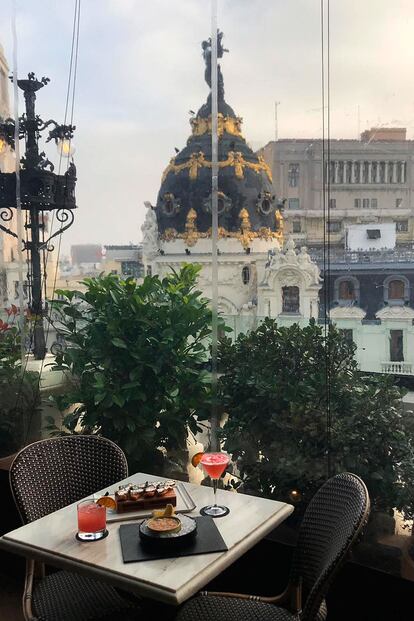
191 233
169 234
262 233
245 235
245 228
234 159
225 124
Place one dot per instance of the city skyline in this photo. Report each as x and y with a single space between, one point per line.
140 71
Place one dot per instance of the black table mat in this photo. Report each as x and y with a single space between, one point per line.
208 539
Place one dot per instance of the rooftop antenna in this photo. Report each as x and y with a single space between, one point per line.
276 127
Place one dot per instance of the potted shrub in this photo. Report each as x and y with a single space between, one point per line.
134 359
274 390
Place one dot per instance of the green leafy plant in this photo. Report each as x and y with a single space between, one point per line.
19 389
134 360
274 390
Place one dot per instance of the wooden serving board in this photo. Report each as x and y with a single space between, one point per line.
149 503
184 504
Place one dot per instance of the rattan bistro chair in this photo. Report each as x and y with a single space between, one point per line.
44 477
331 524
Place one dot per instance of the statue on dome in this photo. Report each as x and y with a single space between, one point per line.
150 231
206 46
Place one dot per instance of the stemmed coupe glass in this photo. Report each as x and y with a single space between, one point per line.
214 465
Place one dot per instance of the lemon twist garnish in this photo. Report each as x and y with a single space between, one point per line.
167 512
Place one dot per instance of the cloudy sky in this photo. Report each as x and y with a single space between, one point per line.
140 71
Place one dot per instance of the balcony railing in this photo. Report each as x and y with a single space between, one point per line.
364 256
397 368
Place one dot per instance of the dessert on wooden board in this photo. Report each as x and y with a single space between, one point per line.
148 495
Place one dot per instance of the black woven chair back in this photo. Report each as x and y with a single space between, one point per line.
50 474
332 522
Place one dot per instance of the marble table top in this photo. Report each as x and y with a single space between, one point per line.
52 539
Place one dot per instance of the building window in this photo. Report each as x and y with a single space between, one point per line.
265 203
290 299
396 346
132 268
374 203
246 274
402 226
346 290
332 203
333 226
365 203
293 203
396 290
357 203
374 233
293 175
398 202
296 226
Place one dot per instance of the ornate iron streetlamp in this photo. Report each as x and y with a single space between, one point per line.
40 190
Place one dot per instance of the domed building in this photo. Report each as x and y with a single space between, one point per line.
250 221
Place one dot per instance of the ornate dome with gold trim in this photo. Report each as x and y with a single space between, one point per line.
247 205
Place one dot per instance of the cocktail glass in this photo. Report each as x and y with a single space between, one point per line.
214 465
91 521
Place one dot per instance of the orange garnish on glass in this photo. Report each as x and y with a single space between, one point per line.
106 501
196 459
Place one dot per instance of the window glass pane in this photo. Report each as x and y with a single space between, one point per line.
293 203
290 299
346 290
293 175
396 290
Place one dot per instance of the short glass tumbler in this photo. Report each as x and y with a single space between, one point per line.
91 521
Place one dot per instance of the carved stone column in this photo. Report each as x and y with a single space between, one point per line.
403 172
394 172
336 171
377 179
386 172
369 179
360 172
353 164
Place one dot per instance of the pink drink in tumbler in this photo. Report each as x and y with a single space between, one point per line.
91 521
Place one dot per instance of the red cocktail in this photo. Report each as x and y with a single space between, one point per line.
91 521
214 465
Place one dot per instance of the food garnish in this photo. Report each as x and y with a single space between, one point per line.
106 501
196 459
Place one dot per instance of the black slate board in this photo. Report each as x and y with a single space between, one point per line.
208 539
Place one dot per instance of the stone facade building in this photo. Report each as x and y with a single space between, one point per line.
370 181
